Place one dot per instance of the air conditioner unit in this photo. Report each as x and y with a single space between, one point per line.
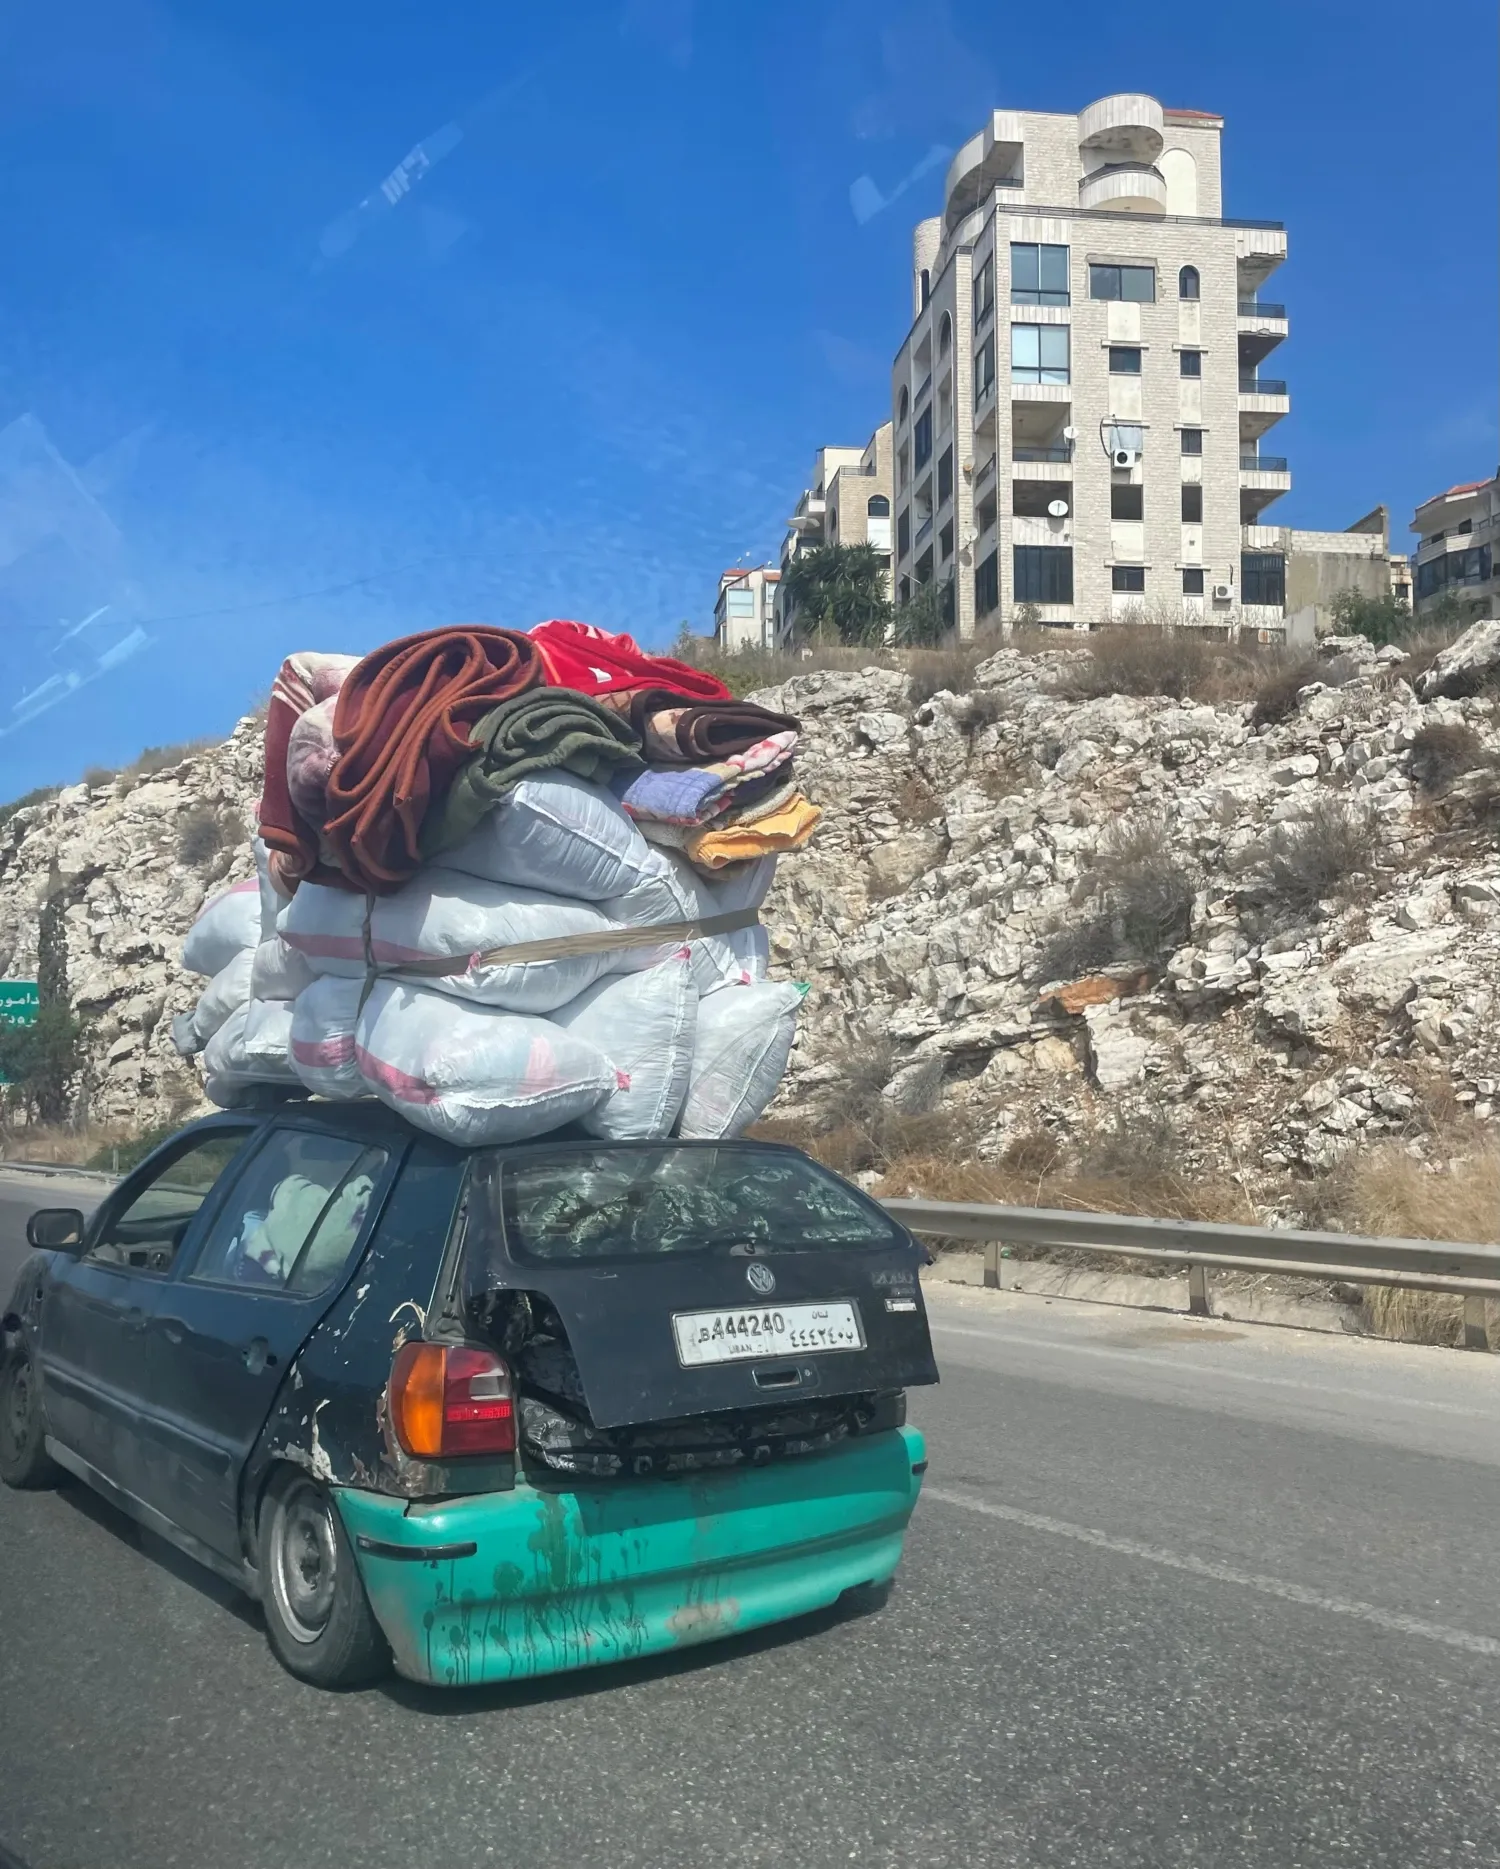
1223 593
1124 458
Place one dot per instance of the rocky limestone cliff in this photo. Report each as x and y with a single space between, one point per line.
972 845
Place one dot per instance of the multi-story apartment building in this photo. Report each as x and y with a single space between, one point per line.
745 612
1078 407
847 503
1459 554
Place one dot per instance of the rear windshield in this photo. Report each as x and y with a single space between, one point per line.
611 1203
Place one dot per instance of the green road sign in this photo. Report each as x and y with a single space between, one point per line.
18 1002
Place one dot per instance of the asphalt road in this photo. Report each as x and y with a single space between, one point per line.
1179 1595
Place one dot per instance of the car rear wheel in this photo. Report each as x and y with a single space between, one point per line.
24 1460
318 1618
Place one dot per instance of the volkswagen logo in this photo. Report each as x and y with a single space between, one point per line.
761 1278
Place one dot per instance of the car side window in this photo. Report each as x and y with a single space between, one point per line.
146 1233
295 1215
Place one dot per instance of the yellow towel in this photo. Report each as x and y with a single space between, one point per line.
785 829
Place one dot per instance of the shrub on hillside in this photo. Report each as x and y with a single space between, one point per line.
1143 907
1318 858
1444 750
203 833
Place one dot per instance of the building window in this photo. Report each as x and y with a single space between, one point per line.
1128 578
903 404
1187 283
739 603
921 440
903 532
1192 583
945 475
1038 275
1192 503
945 336
945 541
1043 574
903 591
1468 567
1123 282
1464 525
984 292
1192 441
987 585
1124 360
1263 579
1039 353
878 506
926 287
984 371
1030 499
1190 362
1126 501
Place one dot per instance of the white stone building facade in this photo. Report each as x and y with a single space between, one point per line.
1459 552
1078 407
847 502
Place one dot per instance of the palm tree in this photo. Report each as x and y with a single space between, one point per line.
839 593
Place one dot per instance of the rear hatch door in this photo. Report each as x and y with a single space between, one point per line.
699 1277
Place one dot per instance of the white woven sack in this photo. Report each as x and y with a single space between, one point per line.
229 1068
743 1041
228 925
441 914
560 834
272 901
322 1040
671 890
471 1074
225 993
644 1024
278 971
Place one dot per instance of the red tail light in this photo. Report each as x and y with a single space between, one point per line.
449 1400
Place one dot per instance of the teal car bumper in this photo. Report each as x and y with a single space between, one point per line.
505 1586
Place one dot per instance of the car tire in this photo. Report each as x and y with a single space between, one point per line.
318 1619
24 1460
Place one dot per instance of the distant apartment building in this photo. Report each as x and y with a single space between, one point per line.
847 503
1078 405
745 613
1460 534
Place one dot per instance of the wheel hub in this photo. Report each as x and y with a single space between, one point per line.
304 1561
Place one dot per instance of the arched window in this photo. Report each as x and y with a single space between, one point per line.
903 404
1187 283
945 335
878 506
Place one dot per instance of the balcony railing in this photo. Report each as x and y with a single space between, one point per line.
1263 463
1258 308
922 390
1252 385
986 468
1060 453
922 531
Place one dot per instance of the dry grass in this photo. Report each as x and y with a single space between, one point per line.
914 801
1389 1191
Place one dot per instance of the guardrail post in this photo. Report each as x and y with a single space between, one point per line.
1198 1291
1476 1331
992 1265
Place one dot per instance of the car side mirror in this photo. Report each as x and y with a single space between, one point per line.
56 1229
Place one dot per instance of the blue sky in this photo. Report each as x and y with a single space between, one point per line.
576 354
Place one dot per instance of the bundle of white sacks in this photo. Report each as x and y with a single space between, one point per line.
338 992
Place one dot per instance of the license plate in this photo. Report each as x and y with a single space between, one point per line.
773 1330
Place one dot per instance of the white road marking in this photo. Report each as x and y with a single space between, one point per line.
1028 1341
1221 1573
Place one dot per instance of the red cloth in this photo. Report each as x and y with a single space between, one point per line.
301 682
595 662
402 729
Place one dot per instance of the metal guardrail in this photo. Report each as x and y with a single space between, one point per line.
1470 1271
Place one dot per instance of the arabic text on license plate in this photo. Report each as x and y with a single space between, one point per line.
773 1330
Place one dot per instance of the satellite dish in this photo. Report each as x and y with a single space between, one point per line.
1070 434
1057 509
